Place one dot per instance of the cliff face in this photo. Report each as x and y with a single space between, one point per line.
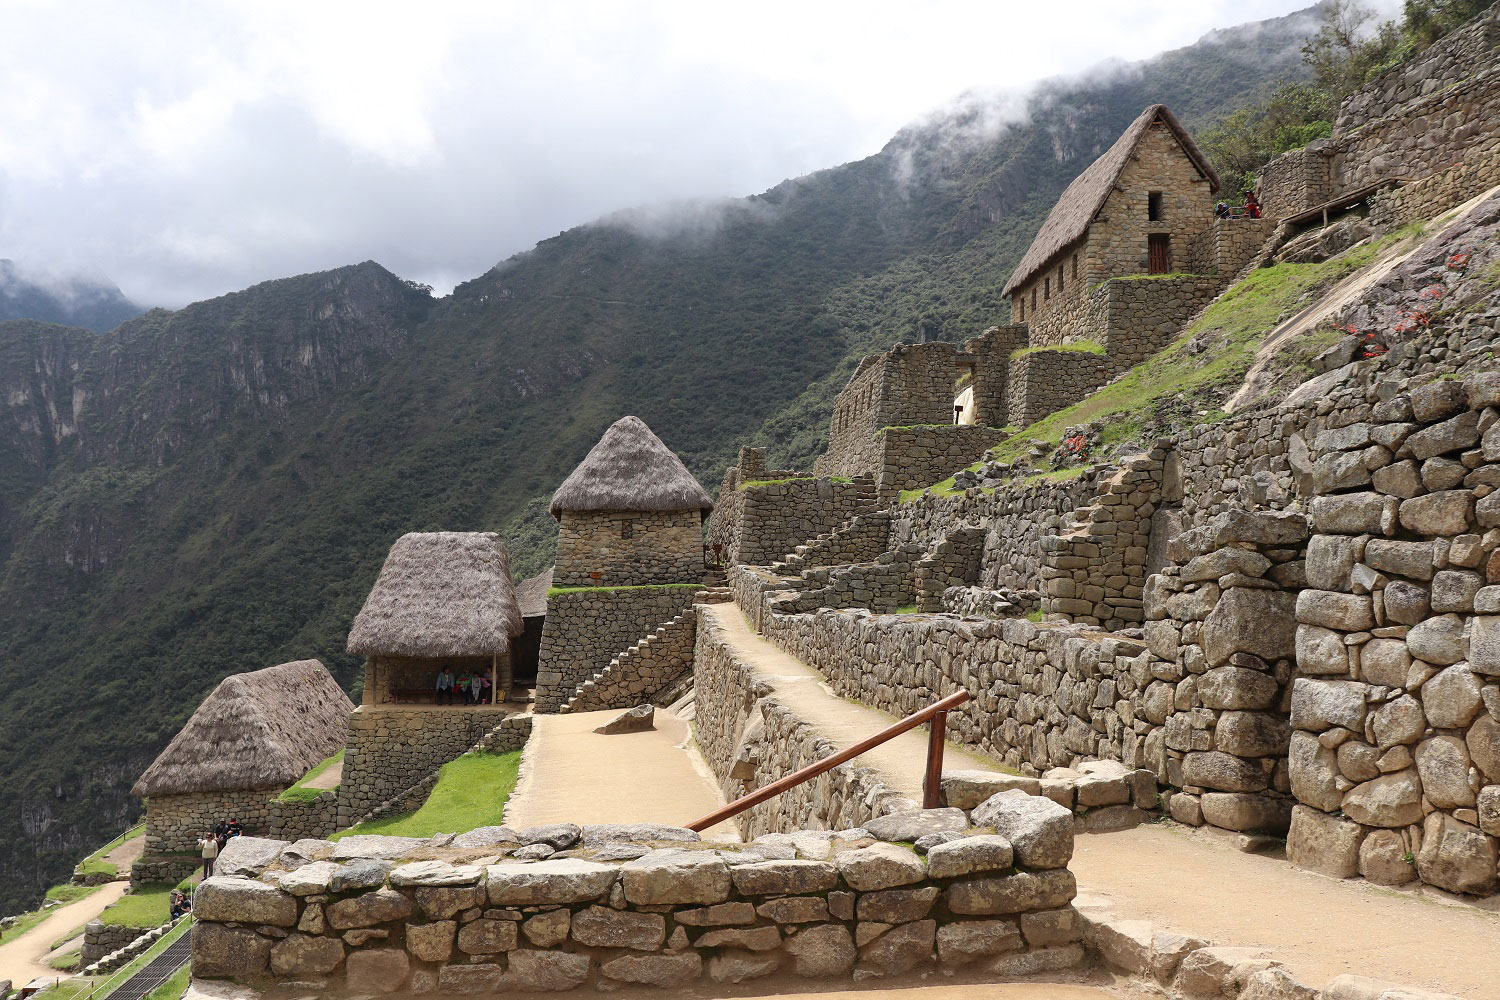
211 490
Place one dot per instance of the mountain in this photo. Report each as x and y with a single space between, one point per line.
93 304
212 490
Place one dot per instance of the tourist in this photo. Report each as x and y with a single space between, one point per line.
1252 207
445 685
235 829
221 833
208 849
484 690
177 905
1221 210
463 686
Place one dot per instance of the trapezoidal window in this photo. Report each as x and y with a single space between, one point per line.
1059 279
1158 253
1154 210
1020 309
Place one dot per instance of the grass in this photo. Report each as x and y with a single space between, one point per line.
146 906
68 961
95 864
643 586
1234 325
1080 346
905 609
66 893
1034 616
471 791
299 792
747 484
174 987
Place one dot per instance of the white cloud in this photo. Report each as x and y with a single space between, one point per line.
191 148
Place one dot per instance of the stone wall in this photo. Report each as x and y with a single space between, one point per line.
1227 246
101 939
762 522
909 384
1396 754
1043 382
391 749
887 583
1453 57
724 527
586 629
1133 318
1054 304
861 539
1294 181
314 819
858 412
1428 197
826 907
628 548
987 357
643 672
914 457
178 822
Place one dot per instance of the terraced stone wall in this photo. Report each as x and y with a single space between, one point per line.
1395 761
642 906
1134 317
914 457
760 523
177 822
1043 382
585 629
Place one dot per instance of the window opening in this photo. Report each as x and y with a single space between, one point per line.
1154 207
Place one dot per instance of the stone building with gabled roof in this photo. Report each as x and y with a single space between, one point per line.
630 514
1135 210
255 735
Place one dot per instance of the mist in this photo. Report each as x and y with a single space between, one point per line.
185 150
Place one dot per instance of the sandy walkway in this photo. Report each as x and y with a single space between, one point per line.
901 761
1196 884
127 853
569 773
329 778
21 959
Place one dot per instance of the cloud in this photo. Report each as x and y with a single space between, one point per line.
187 149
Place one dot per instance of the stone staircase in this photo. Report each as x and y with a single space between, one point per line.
860 539
655 669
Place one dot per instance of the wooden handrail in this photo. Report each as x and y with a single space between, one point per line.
937 712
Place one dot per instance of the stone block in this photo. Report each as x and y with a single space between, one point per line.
304 955
1323 843
1045 890
1039 830
559 880
532 971
676 877
1246 812
661 971
376 970
222 952
823 951
780 878
883 866
243 901
602 927
1456 856
964 941
969 855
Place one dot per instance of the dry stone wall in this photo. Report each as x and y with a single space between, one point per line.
860 539
1395 762
765 521
628 548
391 749
296 820
1043 382
586 629
643 672
177 822
443 917
914 457
1133 318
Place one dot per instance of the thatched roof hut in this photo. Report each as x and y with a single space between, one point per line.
263 729
1074 212
630 470
440 593
531 594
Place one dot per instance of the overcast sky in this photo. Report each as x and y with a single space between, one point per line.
190 149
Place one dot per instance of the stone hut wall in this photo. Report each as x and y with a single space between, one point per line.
315 819
628 548
988 356
1117 243
858 412
915 457
1294 181
1054 304
586 629
667 919
1396 753
909 384
1043 382
176 822
1133 318
725 527
771 519
391 749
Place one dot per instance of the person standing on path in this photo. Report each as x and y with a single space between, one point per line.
208 848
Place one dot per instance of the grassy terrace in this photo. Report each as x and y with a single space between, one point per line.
643 586
1233 326
300 792
747 484
471 792
1079 346
100 987
145 906
95 864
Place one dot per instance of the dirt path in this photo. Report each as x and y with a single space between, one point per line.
569 773
21 958
1196 884
329 778
127 853
901 761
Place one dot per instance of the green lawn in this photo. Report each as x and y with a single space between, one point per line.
299 792
1234 325
1080 346
643 586
145 906
173 988
471 792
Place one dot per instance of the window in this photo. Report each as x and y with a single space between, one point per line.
1033 298
1059 279
1075 266
1020 309
1046 289
627 529
1158 253
1154 207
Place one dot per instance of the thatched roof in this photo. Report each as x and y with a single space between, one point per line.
1075 210
531 594
263 729
440 593
630 469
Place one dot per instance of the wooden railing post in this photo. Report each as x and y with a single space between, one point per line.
930 785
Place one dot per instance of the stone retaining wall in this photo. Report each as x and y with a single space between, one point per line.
643 672
391 749
178 822
1452 57
100 939
765 521
1429 196
1396 754
586 629
1135 317
1043 382
296 820
860 539
914 457
422 916
150 870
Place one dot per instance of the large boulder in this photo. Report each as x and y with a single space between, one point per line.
914 824
1039 830
1391 800
1456 856
1323 843
636 720
676 877
223 952
242 901
881 866
1249 620
369 909
248 856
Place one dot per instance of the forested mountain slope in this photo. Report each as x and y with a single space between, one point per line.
212 490
93 304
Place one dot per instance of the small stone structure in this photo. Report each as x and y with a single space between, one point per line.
763 514
256 734
391 914
630 514
1043 382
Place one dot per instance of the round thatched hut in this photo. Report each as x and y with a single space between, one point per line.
443 598
630 514
255 735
